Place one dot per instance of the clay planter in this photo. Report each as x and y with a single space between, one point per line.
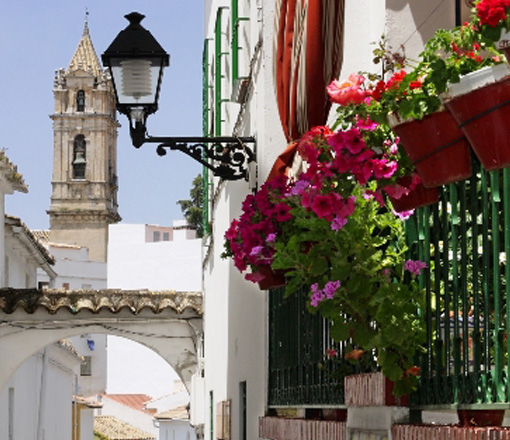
272 279
418 197
371 389
436 147
481 417
480 103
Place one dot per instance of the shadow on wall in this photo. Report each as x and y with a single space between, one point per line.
412 23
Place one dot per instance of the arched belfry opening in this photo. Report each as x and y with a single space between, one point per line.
79 157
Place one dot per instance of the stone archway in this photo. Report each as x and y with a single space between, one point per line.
170 323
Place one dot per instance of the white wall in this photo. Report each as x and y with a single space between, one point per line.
134 263
74 269
176 430
41 393
96 383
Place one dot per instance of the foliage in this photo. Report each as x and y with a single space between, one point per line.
193 208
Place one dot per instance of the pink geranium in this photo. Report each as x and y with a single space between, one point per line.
347 92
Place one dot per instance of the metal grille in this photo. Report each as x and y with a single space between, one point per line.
465 241
300 372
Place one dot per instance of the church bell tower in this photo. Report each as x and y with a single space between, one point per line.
84 181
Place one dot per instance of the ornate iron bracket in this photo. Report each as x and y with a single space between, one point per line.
227 157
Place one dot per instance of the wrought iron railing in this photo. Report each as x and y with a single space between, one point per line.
301 374
465 240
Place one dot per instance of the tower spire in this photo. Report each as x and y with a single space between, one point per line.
86 23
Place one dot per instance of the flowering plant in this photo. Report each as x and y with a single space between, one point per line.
351 250
332 229
250 240
491 18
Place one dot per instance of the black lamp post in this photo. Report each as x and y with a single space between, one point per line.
136 62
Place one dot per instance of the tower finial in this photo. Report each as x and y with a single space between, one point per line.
86 25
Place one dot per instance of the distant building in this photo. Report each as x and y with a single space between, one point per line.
84 182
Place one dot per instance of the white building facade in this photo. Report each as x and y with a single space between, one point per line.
233 384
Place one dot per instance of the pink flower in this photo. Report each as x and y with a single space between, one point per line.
323 206
383 168
282 212
270 238
347 92
330 288
366 124
404 215
414 266
331 352
338 223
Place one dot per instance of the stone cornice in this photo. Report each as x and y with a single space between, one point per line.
95 301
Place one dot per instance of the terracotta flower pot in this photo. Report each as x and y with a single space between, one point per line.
481 417
418 197
436 147
480 103
272 279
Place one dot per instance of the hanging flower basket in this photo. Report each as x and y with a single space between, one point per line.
417 197
436 147
480 105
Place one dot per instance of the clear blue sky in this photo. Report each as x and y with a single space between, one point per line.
37 38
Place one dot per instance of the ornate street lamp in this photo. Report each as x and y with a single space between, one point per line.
136 62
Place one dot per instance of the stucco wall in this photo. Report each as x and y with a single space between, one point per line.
41 396
134 263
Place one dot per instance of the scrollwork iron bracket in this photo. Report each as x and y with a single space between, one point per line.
227 157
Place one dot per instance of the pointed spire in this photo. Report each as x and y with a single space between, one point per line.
86 23
85 57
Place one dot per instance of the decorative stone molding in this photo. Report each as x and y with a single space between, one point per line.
95 301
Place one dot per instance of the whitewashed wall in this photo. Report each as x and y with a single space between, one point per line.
176 429
39 397
134 263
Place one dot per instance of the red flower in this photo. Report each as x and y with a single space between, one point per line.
415 85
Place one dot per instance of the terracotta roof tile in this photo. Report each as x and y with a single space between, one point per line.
180 413
115 429
135 401
113 300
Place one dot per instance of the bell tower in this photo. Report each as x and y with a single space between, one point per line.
84 181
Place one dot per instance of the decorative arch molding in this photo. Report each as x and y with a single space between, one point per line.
31 319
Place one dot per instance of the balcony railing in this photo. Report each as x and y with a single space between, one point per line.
465 241
301 374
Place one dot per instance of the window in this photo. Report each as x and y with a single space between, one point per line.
65 286
166 236
156 236
86 366
79 157
80 101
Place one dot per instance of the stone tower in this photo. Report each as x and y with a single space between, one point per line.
84 182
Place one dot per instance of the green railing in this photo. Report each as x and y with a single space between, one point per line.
301 374
465 239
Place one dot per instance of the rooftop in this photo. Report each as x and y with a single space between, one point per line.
112 300
115 429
